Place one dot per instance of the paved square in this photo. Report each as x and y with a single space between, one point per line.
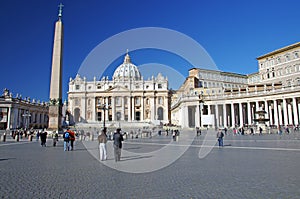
247 167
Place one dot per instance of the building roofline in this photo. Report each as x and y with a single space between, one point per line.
286 48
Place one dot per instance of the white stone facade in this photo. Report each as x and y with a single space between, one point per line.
16 112
231 100
126 98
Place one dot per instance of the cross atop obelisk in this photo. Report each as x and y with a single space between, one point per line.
55 104
60 11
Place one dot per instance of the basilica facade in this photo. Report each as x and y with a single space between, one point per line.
124 99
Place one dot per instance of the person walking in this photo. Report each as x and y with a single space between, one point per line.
66 137
72 138
102 139
220 136
118 139
43 138
55 138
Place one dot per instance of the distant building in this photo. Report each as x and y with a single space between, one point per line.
231 100
125 99
16 112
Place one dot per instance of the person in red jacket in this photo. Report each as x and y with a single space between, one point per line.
72 138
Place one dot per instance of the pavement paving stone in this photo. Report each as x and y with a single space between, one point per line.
31 171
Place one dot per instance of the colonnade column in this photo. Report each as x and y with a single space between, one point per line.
142 109
197 115
8 118
285 115
290 115
280 114
153 113
241 114
129 108
275 112
217 115
208 109
106 110
249 113
266 108
270 114
113 108
123 109
232 115
225 115
132 109
295 111
166 116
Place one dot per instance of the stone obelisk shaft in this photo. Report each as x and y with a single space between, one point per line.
55 107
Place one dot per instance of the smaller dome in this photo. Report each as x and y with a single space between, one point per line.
127 70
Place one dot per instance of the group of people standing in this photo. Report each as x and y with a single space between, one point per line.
69 138
117 139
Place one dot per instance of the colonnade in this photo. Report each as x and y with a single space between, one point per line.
283 111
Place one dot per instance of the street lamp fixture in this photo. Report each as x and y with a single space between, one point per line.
26 118
103 107
201 103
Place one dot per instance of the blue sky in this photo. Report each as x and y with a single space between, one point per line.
233 32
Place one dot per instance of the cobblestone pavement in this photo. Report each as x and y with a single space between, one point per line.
247 167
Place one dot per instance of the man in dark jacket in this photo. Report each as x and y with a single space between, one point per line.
118 138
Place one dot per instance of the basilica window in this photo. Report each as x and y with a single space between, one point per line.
137 101
76 102
159 86
160 100
77 87
296 55
118 101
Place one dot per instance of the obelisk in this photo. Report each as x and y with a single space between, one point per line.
55 103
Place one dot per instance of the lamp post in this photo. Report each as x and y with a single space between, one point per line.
201 103
26 118
103 107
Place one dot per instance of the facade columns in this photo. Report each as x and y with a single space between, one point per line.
113 108
123 109
142 109
249 113
153 108
295 112
129 108
270 114
132 108
275 112
106 110
225 115
290 115
217 115
285 115
232 115
208 110
197 115
8 118
241 114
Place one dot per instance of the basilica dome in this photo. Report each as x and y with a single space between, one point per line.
127 71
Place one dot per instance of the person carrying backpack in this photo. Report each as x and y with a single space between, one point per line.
66 137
